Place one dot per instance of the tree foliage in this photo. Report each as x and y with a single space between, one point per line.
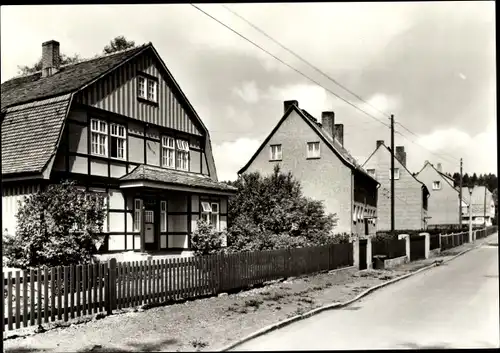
117 44
206 240
56 227
270 212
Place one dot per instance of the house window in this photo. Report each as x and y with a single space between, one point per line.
371 172
276 153
118 141
147 89
99 137
137 214
436 185
168 151
182 154
210 213
395 174
163 216
313 150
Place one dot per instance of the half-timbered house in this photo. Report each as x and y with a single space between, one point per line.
117 124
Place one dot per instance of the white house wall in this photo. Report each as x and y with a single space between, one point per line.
11 197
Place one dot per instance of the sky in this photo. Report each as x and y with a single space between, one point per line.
431 64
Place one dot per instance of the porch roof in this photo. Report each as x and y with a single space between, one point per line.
150 176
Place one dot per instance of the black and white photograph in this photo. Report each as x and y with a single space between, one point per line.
184 177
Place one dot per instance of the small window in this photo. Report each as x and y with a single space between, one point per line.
168 151
147 89
118 141
371 172
214 217
313 150
163 216
396 174
436 185
210 213
137 214
182 154
276 154
99 137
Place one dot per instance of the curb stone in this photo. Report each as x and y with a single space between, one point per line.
308 314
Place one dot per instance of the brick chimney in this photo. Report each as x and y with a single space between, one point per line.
380 142
439 168
51 60
339 133
401 155
328 122
287 104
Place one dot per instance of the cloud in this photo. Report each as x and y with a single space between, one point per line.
248 91
312 98
232 155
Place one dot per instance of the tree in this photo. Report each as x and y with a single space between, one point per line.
117 44
465 180
473 179
56 227
64 59
270 212
456 178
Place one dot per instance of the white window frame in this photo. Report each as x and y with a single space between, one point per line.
275 152
206 210
214 216
312 151
436 185
163 216
143 88
120 133
168 150
99 129
137 215
210 213
396 175
182 154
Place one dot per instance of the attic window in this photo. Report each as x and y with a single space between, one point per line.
147 88
395 174
313 150
436 185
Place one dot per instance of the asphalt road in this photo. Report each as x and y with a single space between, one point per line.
455 305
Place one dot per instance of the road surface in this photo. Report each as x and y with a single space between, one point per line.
455 305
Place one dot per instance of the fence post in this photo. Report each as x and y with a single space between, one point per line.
406 237
111 292
355 253
427 244
369 258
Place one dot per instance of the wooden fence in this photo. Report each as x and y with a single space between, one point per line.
391 248
434 241
39 296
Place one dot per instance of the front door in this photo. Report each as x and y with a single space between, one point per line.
150 238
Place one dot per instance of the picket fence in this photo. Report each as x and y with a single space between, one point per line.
40 296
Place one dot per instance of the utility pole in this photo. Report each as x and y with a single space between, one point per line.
484 218
392 174
460 199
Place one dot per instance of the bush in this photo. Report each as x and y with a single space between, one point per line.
270 212
58 226
206 240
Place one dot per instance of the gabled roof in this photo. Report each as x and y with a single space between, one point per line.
67 80
447 179
395 157
30 133
329 140
172 177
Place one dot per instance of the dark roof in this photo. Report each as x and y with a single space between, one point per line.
149 173
70 78
334 145
404 166
30 133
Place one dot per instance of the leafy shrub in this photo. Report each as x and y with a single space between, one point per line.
270 212
206 240
57 226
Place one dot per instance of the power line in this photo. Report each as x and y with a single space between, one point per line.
290 66
304 60
307 77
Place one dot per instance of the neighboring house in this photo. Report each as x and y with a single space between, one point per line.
120 125
411 195
483 206
313 152
445 206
